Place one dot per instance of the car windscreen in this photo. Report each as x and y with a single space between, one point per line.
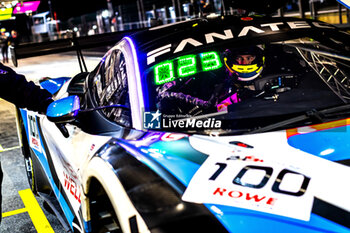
259 80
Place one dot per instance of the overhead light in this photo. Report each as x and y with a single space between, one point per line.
105 14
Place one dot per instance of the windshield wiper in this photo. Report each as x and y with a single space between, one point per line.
314 115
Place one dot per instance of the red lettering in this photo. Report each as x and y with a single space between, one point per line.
75 192
219 191
35 142
78 197
271 201
238 192
66 181
255 197
72 187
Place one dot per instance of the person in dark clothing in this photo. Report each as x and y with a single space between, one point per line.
4 41
13 39
17 90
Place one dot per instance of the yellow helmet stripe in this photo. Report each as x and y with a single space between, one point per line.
245 68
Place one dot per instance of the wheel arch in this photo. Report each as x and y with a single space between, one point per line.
100 173
143 194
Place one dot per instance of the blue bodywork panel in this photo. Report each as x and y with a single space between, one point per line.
182 161
54 85
42 157
331 144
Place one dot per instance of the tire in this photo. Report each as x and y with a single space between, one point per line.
103 217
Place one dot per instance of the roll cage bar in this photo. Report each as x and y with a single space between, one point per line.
325 64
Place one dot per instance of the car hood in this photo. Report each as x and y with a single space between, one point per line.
286 179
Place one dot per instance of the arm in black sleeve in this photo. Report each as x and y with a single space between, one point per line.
17 90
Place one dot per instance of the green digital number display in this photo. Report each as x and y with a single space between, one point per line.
185 66
210 61
164 73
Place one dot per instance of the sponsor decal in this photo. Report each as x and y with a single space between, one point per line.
227 34
264 186
246 196
170 137
251 158
72 187
33 132
92 147
157 120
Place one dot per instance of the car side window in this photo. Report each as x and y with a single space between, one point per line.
112 88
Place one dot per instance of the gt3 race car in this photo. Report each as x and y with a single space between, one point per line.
216 124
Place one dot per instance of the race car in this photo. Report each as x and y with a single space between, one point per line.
216 124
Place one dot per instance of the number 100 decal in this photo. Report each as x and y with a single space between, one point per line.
267 187
268 173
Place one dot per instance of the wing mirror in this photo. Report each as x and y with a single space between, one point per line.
63 110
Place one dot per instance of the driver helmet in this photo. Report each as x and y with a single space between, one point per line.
246 63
